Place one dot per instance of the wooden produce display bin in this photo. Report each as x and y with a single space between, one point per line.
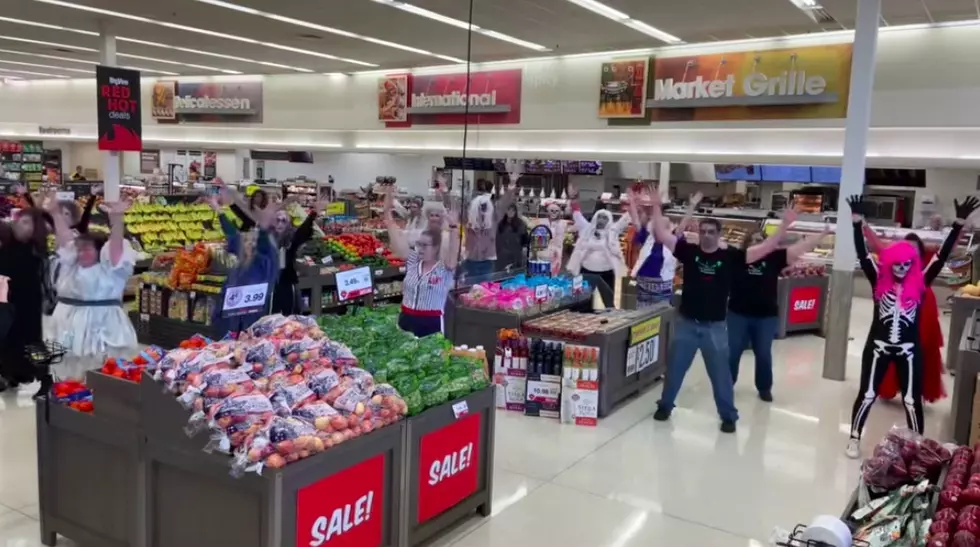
449 465
90 478
347 495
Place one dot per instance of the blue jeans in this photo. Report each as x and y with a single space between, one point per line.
758 332
710 337
477 270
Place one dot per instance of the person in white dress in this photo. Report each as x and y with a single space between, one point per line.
89 320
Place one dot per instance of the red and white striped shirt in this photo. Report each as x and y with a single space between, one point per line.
425 292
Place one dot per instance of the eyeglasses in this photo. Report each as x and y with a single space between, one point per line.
425 244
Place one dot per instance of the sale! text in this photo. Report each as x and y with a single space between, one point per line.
342 520
450 465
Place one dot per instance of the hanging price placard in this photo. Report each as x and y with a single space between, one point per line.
244 299
354 283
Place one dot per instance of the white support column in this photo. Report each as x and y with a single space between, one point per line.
852 182
664 185
111 161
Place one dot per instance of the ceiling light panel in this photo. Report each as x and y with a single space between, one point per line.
37 65
211 54
196 30
458 23
323 28
624 19
32 73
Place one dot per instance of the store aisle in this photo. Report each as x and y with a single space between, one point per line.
630 481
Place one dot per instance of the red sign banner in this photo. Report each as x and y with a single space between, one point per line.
449 466
345 509
804 305
492 97
118 107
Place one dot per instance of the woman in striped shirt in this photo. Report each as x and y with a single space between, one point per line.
428 273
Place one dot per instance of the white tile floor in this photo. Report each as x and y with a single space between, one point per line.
631 481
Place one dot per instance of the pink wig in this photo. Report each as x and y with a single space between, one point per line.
913 286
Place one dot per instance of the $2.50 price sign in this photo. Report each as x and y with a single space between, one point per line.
244 299
354 283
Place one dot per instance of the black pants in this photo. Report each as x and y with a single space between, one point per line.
607 292
878 355
285 300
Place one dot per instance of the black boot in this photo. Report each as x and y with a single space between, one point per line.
46 382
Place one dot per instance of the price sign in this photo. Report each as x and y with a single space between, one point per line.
244 299
460 409
336 208
65 196
642 355
541 292
354 283
577 283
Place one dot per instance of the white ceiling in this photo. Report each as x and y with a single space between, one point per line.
560 25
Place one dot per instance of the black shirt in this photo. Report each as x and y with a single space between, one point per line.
707 279
754 290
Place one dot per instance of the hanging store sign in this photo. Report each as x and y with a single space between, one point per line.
623 89
491 97
207 102
118 107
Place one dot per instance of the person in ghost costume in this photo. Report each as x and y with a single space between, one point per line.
597 250
900 281
556 247
482 220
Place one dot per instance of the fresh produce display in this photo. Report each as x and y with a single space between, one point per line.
162 226
804 269
901 458
957 520
970 290
278 393
520 294
422 370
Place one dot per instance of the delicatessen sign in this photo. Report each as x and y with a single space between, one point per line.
490 97
118 106
175 101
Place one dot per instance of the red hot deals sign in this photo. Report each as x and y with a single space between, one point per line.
492 97
118 107
449 463
345 509
804 305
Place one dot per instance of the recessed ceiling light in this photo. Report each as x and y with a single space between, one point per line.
196 30
5 70
43 43
323 28
150 70
48 25
44 56
20 63
168 62
422 12
611 13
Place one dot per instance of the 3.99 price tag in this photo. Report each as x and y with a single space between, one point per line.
245 299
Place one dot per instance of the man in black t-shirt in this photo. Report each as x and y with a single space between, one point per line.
700 323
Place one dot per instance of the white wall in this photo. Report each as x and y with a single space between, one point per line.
351 171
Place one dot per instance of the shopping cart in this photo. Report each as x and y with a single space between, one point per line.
44 354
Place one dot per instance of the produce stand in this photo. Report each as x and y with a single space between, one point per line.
961 308
802 301
166 332
967 367
432 437
478 327
647 329
318 284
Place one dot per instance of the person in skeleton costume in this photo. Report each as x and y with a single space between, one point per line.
556 223
900 281
597 250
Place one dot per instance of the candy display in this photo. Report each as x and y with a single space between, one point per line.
804 269
522 294
568 324
132 370
423 370
73 394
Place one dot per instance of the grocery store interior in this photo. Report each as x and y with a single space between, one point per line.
529 418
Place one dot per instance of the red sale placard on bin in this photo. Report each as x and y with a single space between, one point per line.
345 509
804 305
449 464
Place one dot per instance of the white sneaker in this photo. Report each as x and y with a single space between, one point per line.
853 449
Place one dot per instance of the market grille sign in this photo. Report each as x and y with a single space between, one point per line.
211 102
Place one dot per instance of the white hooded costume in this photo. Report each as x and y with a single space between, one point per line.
598 250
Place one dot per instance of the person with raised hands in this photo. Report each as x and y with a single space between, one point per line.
89 320
257 260
429 273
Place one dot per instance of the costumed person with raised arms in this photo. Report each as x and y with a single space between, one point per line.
428 275
482 220
900 281
556 247
597 250
700 324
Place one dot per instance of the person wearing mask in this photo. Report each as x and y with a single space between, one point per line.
700 324
258 259
481 229
900 280
597 250
512 241
753 308
285 299
428 276
77 175
556 247
89 320
930 329
23 259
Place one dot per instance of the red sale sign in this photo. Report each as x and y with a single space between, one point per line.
344 509
449 463
804 305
